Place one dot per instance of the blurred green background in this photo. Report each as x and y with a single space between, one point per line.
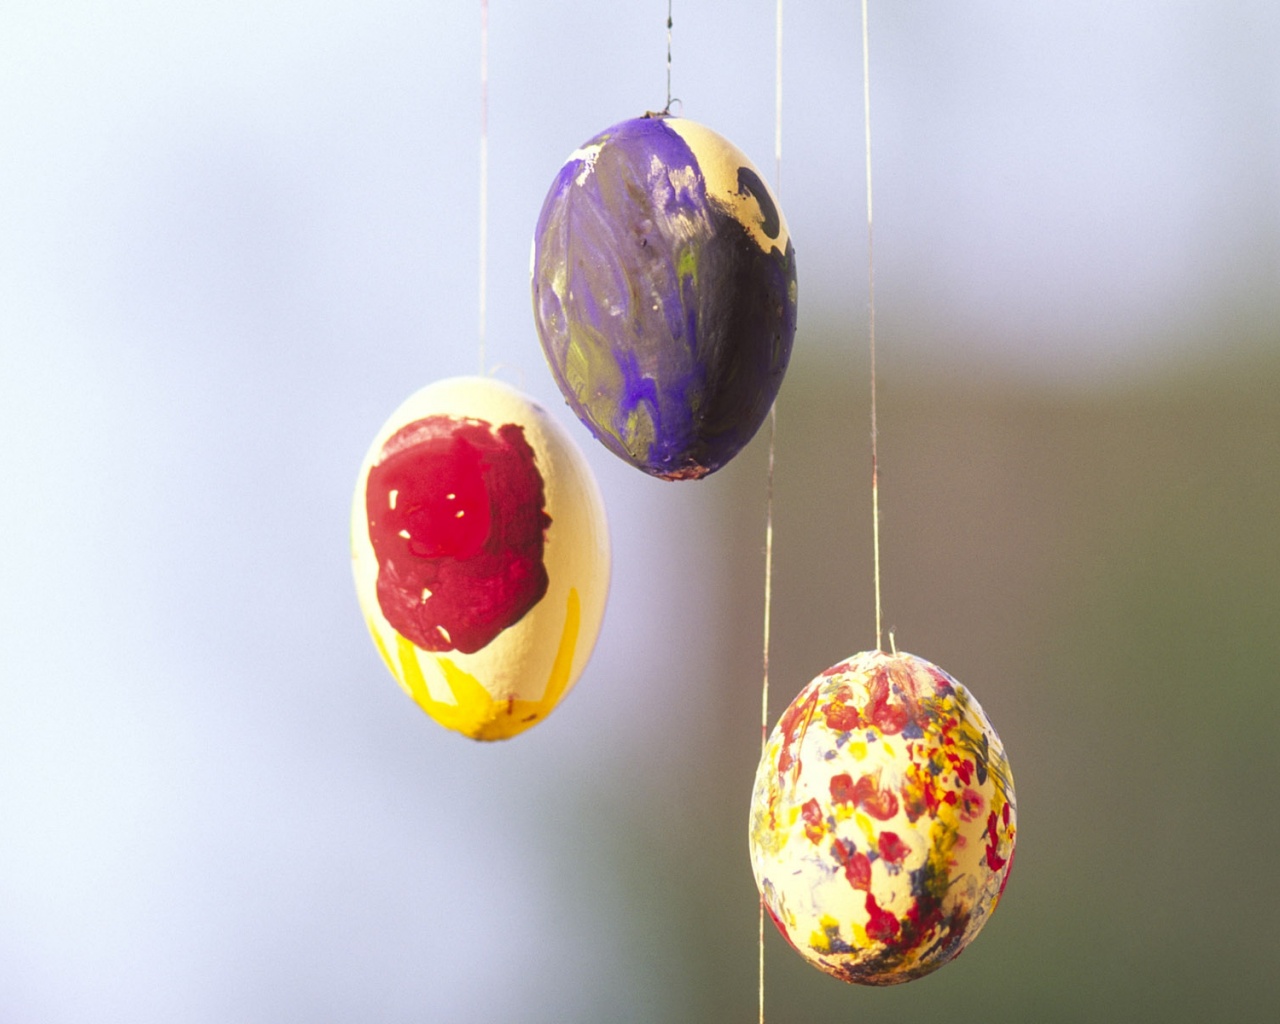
1102 569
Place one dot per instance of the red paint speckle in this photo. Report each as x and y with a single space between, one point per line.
814 826
842 791
857 866
795 713
777 923
1007 872
457 522
882 926
963 767
793 723
971 804
889 718
784 761
892 848
919 795
922 918
842 717
994 861
877 802
941 682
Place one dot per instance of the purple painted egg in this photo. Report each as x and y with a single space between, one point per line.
664 293
883 819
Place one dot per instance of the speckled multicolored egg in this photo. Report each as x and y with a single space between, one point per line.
481 555
664 292
883 819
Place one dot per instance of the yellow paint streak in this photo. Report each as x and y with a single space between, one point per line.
386 655
858 750
411 679
563 664
475 712
864 823
638 430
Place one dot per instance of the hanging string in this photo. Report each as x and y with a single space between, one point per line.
871 309
667 109
773 436
768 602
777 101
484 168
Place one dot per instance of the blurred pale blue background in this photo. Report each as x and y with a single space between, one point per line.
234 236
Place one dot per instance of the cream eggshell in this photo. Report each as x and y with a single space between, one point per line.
883 819
481 555
721 164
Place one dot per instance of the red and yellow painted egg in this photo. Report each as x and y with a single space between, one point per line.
883 819
481 555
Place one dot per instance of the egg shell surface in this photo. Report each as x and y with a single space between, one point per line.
481 555
664 293
882 820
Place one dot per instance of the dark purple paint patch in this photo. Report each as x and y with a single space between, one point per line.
457 522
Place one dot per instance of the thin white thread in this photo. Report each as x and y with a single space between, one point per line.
773 436
871 314
484 170
777 104
667 108
768 611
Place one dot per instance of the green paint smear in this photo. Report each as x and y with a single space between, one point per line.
687 267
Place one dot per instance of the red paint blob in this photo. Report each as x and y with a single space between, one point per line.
857 866
971 804
793 723
782 929
877 802
922 917
892 848
457 523
814 825
994 860
1008 871
881 924
963 767
889 718
842 717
